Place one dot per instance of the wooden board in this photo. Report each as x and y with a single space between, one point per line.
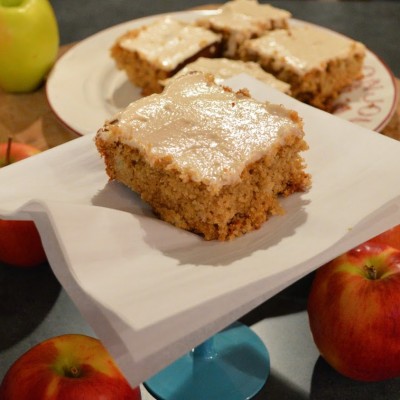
28 118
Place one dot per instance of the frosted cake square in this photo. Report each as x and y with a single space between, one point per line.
239 20
317 63
158 50
206 159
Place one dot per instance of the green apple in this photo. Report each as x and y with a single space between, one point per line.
29 42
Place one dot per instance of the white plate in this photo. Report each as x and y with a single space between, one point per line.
85 88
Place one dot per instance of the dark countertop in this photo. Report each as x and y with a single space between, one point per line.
34 307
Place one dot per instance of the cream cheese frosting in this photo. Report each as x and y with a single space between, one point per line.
167 42
205 132
303 48
224 68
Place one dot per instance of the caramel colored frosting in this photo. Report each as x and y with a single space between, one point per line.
168 42
204 131
223 68
304 48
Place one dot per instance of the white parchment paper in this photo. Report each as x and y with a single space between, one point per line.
151 291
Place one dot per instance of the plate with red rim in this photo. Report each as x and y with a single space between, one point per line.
85 88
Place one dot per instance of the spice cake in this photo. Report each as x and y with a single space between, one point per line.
206 159
224 68
317 63
239 20
157 51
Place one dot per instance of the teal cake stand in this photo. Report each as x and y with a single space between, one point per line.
234 364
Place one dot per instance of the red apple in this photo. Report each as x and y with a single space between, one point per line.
20 244
16 152
390 237
67 367
354 312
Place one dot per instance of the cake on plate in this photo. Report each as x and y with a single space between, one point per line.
156 51
239 20
317 63
206 159
224 68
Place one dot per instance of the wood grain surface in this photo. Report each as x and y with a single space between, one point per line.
28 118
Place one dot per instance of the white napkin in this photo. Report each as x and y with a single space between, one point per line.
151 291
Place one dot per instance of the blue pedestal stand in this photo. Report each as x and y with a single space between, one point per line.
233 364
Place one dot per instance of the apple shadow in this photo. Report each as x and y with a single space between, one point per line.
276 388
26 297
328 384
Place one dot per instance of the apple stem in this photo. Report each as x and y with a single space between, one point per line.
73 372
8 151
371 271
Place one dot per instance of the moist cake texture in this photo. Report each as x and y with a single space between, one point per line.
206 159
240 20
157 51
224 68
317 63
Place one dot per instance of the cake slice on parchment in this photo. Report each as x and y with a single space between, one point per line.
206 159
